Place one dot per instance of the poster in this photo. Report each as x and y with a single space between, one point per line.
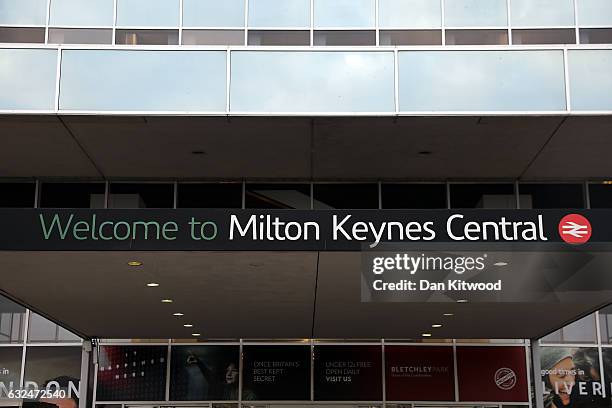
204 373
419 373
132 373
571 377
348 373
280 373
494 373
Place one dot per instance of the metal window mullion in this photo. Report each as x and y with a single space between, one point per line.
576 22
509 19
47 21
180 35
37 193
442 22
228 79
517 194
312 370
114 37
240 374
599 352
380 202
175 195
528 366
168 362
24 349
383 373
58 77
568 96
448 196
243 194
456 376
311 23
396 80
246 22
376 25
587 195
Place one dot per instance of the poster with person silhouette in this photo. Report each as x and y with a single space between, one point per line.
571 378
204 373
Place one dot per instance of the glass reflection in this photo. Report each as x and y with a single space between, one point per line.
590 79
274 13
344 13
475 13
537 13
140 80
148 13
81 13
594 12
471 80
23 12
409 14
293 81
213 13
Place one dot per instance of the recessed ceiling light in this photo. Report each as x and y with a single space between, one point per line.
178 314
135 263
436 326
196 334
500 263
166 300
152 284
462 301
426 334
188 325
448 314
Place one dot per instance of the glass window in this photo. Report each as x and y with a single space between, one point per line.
596 35
213 13
281 196
128 195
544 36
410 37
581 331
61 364
213 37
482 196
476 37
72 195
210 195
344 37
148 13
18 35
345 196
17 195
475 13
80 36
600 195
81 13
590 79
274 13
279 37
470 80
541 13
551 195
12 321
418 196
27 12
409 14
605 325
36 90
594 12
146 37
344 13
42 330
139 80
294 81
10 364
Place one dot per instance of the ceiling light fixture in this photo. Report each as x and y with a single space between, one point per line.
196 334
188 325
436 326
152 284
500 264
462 301
448 314
178 314
426 334
166 300
134 263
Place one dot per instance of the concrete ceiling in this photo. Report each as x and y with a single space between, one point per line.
115 147
256 295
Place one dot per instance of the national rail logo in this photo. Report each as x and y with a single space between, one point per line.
575 229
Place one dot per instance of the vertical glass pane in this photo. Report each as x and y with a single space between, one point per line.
213 13
344 13
139 80
17 195
537 13
210 195
42 330
151 13
80 36
551 195
590 79
274 13
279 196
127 195
27 79
72 195
581 331
470 80
292 81
594 12
60 364
81 13
345 196
475 13
12 322
409 14
28 12
419 196
482 196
